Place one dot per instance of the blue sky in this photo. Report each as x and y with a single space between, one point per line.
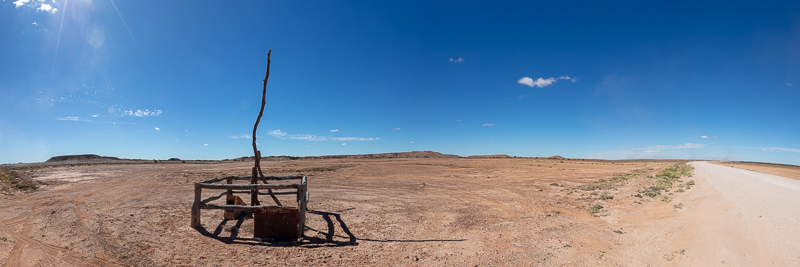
156 80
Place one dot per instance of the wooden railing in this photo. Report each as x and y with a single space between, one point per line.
298 189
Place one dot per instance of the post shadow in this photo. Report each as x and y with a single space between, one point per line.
308 241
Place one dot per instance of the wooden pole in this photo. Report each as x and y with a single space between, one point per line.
196 206
261 113
254 191
230 181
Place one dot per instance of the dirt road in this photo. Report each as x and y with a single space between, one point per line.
758 223
733 217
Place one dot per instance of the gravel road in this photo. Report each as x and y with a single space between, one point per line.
743 218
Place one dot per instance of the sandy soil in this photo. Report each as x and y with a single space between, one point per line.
428 212
787 171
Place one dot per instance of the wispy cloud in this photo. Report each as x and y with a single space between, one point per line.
661 147
542 82
205 144
396 129
457 60
243 136
334 130
309 137
69 118
488 124
158 129
652 152
344 144
704 137
790 84
772 149
141 113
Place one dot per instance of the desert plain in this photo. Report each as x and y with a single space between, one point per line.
422 209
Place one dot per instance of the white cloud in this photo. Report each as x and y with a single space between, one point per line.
34 23
542 82
457 60
571 79
412 142
308 137
344 144
141 113
47 8
396 129
205 144
488 124
95 115
790 84
334 130
772 148
704 137
715 136
158 129
276 133
243 136
69 118
20 3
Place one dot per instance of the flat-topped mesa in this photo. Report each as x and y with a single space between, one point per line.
86 157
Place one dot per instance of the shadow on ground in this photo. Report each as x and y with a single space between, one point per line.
306 241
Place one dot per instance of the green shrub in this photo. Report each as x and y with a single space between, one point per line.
595 208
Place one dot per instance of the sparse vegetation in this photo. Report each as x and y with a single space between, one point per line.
667 178
12 182
595 208
314 169
606 196
610 183
444 165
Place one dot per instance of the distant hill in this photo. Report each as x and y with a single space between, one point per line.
87 157
498 156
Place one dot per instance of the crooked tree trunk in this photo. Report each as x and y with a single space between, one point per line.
257 168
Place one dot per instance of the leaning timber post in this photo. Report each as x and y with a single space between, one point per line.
230 181
256 153
301 210
254 192
196 206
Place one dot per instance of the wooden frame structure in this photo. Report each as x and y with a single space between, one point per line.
300 190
